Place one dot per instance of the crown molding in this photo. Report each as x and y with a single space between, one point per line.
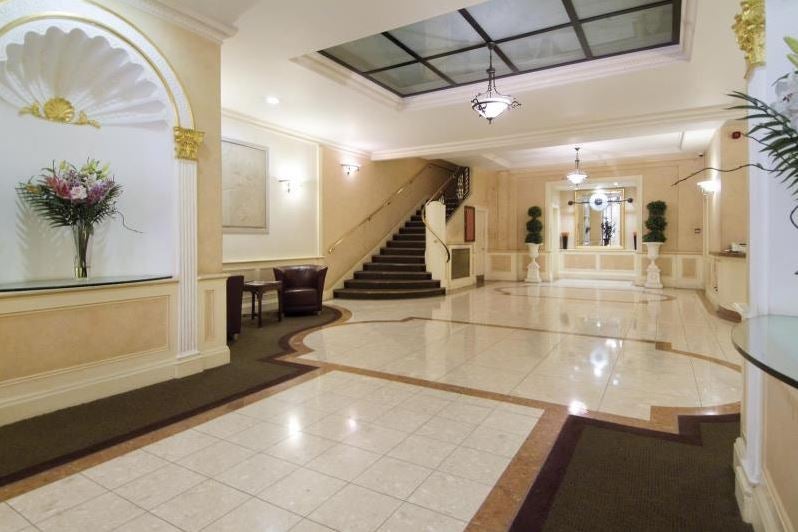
296 135
343 76
186 18
622 164
567 133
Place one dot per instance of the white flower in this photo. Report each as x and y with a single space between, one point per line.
78 193
787 94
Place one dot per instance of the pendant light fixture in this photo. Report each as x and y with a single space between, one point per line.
577 176
492 103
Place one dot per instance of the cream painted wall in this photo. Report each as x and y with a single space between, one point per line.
197 62
293 218
348 200
727 210
513 193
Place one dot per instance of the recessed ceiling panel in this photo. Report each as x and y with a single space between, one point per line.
410 79
632 31
469 66
437 35
544 49
505 18
451 49
369 53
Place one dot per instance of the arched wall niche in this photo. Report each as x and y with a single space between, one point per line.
121 98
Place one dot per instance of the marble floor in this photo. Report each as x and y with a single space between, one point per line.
613 350
417 419
338 452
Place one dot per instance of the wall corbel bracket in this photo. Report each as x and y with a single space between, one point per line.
749 26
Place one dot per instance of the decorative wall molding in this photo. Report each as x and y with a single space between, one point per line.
749 26
297 135
187 143
596 130
193 21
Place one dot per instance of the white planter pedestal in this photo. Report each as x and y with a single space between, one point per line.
533 270
653 278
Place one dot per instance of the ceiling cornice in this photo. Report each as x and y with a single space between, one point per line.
581 132
620 164
193 21
251 120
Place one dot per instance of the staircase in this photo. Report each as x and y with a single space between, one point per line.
398 272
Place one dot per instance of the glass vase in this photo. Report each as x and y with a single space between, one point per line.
82 233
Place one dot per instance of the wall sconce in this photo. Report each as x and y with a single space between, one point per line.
350 168
709 186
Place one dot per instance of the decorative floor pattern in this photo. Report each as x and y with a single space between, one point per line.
602 350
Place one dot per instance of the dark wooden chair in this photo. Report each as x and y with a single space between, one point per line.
303 287
235 296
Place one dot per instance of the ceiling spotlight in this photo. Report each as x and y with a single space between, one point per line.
577 176
272 100
491 103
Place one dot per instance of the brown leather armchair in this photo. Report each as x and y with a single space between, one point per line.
303 287
235 293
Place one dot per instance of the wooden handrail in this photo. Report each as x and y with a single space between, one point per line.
387 202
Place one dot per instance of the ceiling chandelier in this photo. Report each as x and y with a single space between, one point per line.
491 103
577 176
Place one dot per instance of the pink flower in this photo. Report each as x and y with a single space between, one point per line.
77 193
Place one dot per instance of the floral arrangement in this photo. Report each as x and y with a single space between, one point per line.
80 198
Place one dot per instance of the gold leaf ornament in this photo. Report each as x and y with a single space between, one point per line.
60 110
749 26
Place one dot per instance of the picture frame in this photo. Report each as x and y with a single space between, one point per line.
245 187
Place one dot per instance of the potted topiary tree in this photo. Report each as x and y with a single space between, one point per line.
654 239
534 238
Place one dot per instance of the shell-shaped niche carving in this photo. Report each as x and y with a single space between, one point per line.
72 78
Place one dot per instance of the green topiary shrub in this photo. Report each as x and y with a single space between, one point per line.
534 226
656 222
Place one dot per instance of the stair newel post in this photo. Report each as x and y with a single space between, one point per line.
436 252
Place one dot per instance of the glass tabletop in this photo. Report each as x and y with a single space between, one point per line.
769 342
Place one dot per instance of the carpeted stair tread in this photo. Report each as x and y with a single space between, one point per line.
359 293
399 271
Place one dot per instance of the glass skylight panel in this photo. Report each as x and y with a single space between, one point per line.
633 31
410 79
369 53
592 8
544 49
438 35
469 66
505 18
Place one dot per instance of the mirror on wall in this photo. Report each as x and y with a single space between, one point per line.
599 218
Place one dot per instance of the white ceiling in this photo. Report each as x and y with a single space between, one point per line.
637 105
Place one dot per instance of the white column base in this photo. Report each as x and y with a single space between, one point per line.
757 504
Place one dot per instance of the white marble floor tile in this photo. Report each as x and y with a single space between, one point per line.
450 495
147 523
422 451
393 477
256 473
494 441
200 505
119 471
43 503
300 448
446 430
180 445
226 425
106 512
412 518
159 486
476 465
343 461
356 509
216 458
10 520
302 491
255 515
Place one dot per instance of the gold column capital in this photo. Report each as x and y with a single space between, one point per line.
749 26
187 142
